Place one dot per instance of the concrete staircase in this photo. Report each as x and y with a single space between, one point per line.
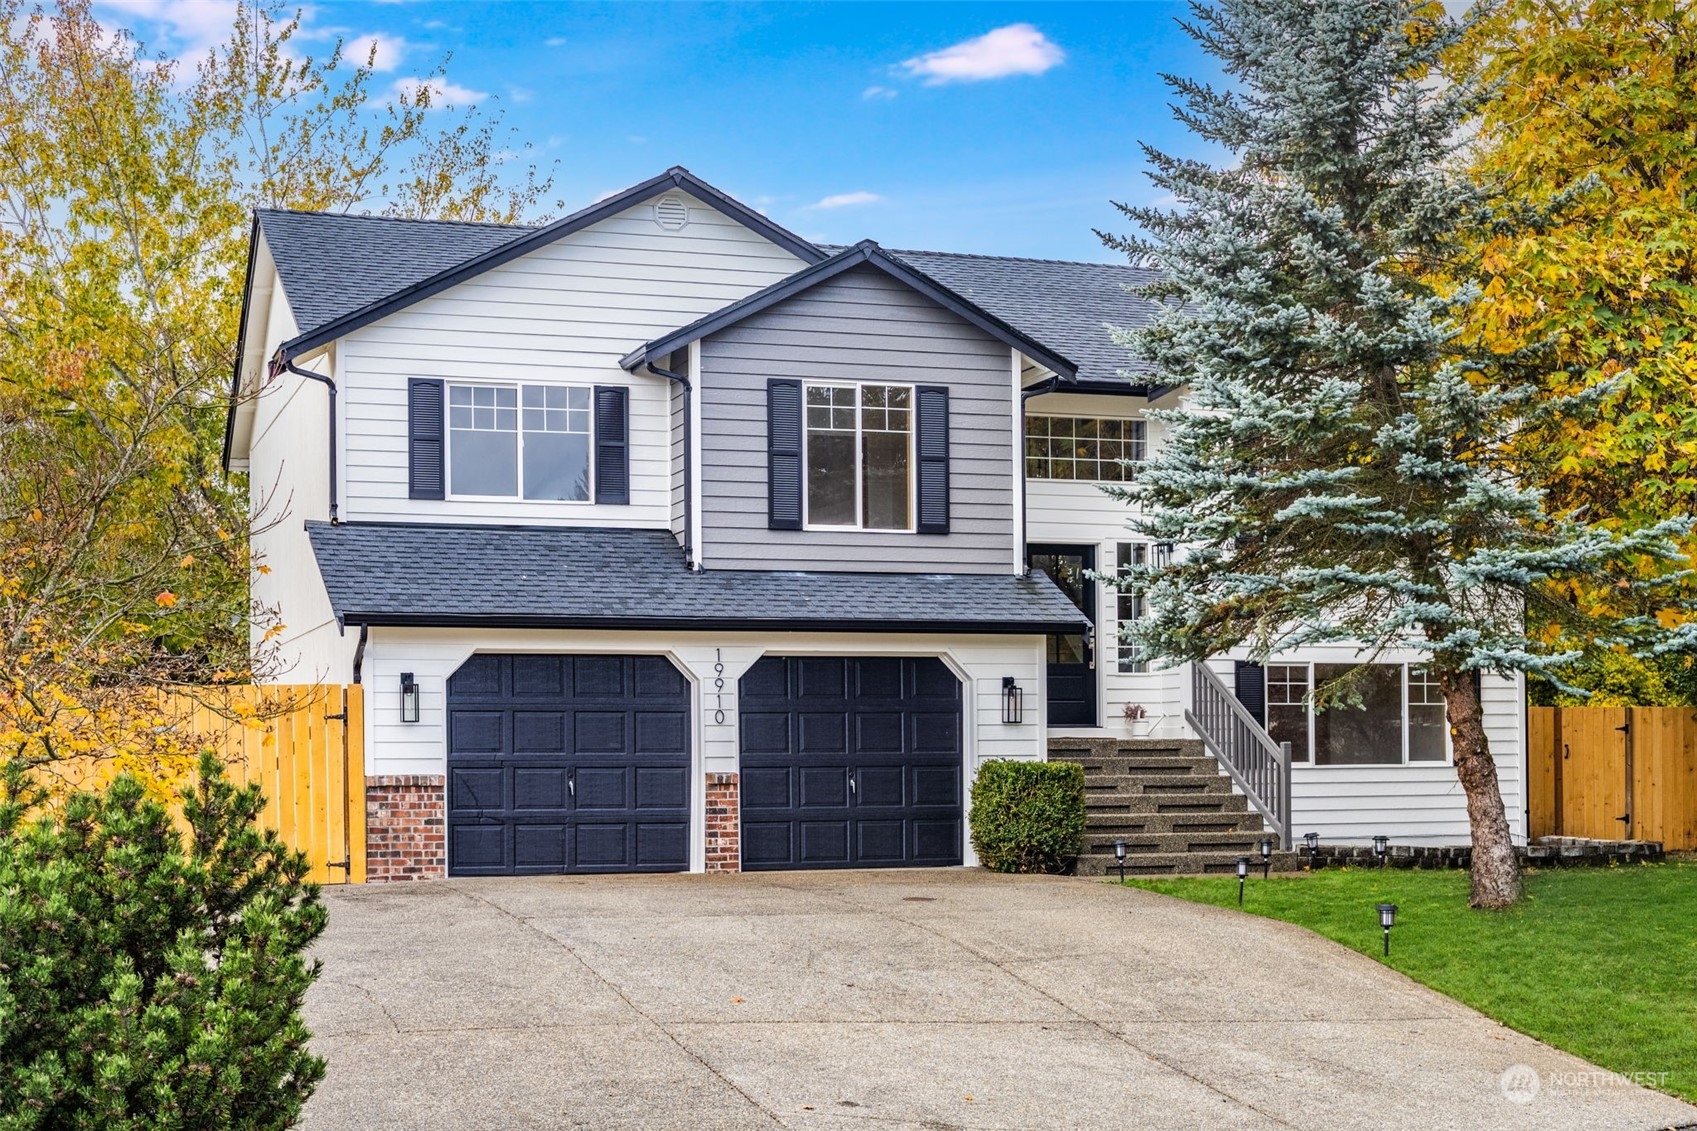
1169 801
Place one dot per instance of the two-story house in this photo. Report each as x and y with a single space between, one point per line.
662 538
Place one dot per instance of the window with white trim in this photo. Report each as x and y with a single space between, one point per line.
1130 607
1095 449
1400 719
859 456
520 442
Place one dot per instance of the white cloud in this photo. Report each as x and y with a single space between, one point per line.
519 94
1018 49
390 48
847 200
877 93
187 30
442 92
554 41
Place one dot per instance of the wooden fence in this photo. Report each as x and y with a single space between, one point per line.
1614 773
303 744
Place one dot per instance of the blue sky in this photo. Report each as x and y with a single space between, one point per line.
996 128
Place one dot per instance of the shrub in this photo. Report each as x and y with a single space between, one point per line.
151 979
1028 816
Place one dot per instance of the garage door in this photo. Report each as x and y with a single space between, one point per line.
850 763
567 764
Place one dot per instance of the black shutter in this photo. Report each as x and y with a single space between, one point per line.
1251 688
612 444
783 455
933 445
424 439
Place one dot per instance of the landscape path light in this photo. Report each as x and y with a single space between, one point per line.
1119 857
1266 856
1387 920
1382 848
1242 874
1313 840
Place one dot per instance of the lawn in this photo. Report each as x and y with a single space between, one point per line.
1601 962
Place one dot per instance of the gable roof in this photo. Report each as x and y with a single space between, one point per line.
865 253
403 265
432 575
1064 304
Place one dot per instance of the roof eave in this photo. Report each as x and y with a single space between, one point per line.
705 624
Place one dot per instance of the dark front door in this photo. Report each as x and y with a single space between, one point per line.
850 762
1072 658
567 764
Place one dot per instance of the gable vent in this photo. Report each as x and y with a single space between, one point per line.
671 213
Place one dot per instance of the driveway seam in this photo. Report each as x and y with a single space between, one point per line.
634 1008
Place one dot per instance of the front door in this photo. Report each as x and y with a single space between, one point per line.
1072 658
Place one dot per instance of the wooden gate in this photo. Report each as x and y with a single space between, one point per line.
1614 773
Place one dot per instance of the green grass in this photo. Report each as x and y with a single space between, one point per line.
1601 962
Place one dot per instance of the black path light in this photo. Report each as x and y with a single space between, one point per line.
1266 847
1313 840
1242 874
1387 920
1119 857
1381 848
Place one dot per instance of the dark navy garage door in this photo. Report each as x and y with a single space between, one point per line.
567 764
850 763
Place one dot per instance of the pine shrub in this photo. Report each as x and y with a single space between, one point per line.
151 978
1028 816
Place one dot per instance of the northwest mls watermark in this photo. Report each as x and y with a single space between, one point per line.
1521 1083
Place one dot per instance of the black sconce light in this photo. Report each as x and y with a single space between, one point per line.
1381 848
1013 701
409 698
1266 847
1313 840
1242 874
1119 857
1387 920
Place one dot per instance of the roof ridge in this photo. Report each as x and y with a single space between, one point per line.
1015 258
396 219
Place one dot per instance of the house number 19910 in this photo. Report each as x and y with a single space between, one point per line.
718 686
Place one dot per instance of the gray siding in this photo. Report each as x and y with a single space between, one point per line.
860 326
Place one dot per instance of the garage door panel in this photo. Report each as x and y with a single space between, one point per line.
823 787
556 764
824 842
904 759
765 788
661 788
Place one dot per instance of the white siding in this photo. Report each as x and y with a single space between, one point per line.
289 483
432 655
562 313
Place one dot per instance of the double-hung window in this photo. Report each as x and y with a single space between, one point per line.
859 456
519 442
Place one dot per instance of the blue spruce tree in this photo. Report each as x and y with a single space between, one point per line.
1336 470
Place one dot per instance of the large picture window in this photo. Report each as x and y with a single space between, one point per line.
1400 717
1078 447
519 442
859 456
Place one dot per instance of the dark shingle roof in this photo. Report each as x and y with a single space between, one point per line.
334 264
1066 306
586 577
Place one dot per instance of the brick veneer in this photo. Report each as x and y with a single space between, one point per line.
405 827
724 824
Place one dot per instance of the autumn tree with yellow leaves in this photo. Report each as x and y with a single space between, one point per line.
126 183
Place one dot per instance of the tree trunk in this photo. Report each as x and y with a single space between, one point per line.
1496 871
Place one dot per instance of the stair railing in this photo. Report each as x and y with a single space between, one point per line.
1259 765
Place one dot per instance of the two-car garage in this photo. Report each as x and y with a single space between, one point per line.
581 764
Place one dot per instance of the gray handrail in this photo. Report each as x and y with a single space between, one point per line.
1259 765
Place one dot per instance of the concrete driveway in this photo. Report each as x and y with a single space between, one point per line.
883 1000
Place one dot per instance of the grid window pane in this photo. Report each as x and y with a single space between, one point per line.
1287 707
1426 718
530 441
1081 447
859 456
1368 735
1130 608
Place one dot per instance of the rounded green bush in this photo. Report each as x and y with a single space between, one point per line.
1028 816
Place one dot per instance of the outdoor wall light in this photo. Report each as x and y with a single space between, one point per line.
1013 701
1387 920
1266 847
1242 874
409 698
1381 848
1313 840
1119 857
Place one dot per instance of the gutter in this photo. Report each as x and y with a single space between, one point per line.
689 524
711 624
283 363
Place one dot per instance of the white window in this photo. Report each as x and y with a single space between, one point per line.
1400 719
1076 447
1130 607
519 442
859 456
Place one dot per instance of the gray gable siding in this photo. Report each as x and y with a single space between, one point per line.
861 326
